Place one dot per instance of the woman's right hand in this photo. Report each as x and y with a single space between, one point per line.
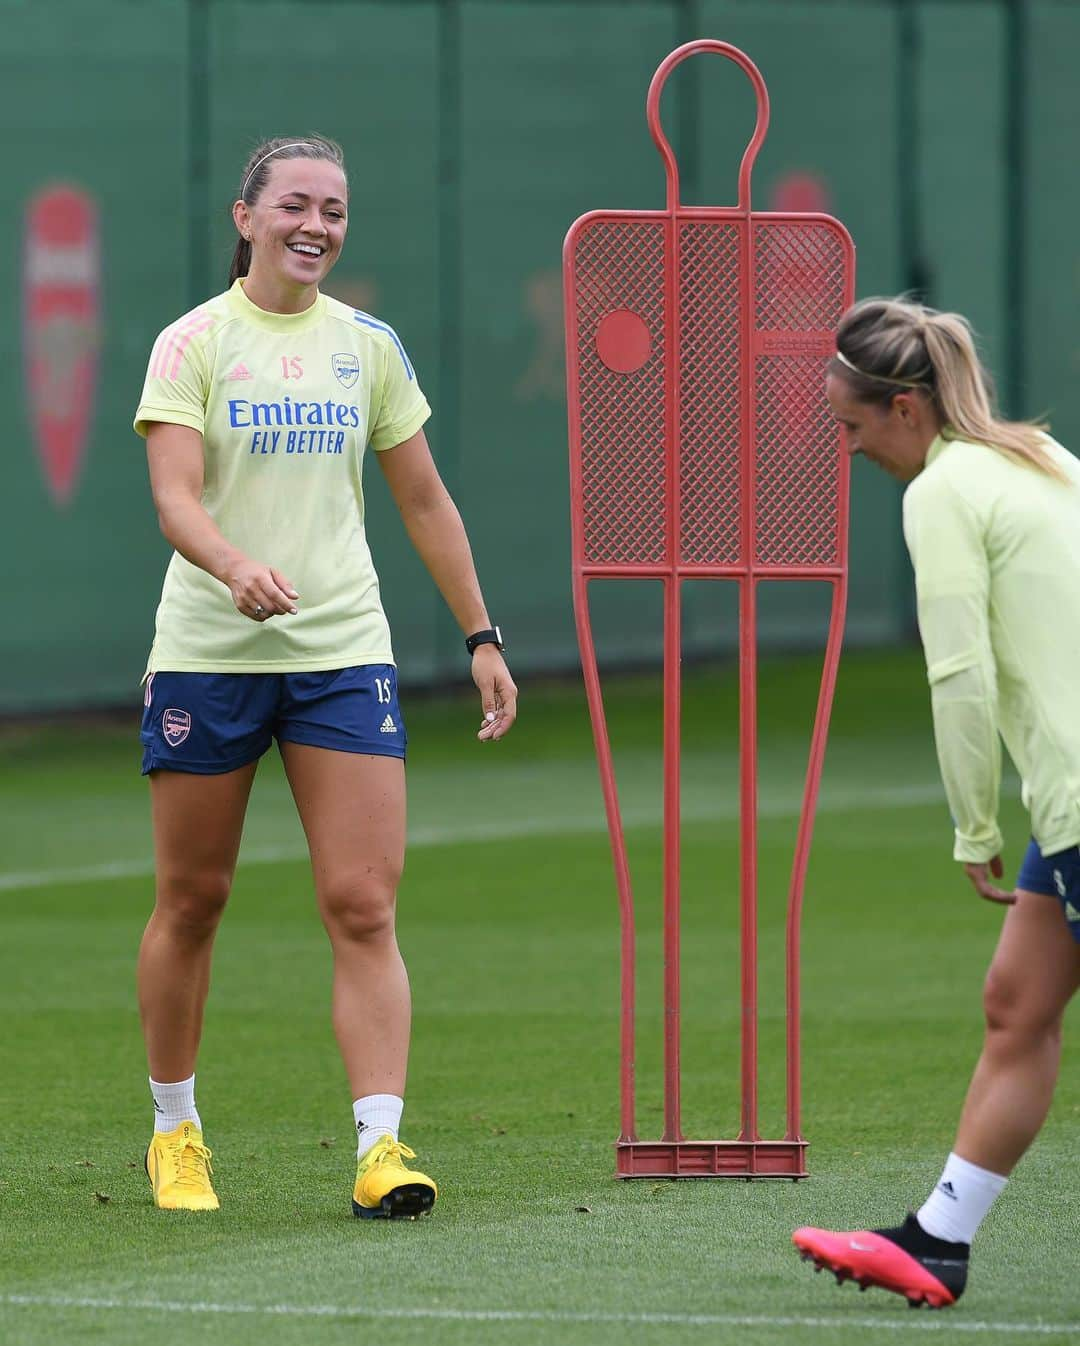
261 592
980 876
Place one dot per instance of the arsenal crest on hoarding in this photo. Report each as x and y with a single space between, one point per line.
61 328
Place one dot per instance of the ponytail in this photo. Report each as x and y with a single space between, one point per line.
965 398
885 346
241 262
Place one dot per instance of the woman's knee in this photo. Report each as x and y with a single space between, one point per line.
359 908
192 903
1018 1006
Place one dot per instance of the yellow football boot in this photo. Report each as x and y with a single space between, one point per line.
178 1166
387 1190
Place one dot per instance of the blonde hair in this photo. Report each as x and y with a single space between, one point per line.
885 346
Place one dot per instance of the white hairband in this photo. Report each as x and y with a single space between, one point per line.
294 146
881 378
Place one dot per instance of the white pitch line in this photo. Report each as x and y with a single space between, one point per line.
833 1324
902 796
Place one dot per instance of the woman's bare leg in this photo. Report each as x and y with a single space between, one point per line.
352 806
1034 974
197 821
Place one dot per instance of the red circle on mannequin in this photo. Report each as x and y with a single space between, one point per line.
623 341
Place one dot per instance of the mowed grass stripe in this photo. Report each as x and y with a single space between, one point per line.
926 1323
870 800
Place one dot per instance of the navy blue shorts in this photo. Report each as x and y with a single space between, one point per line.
208 723
1057 876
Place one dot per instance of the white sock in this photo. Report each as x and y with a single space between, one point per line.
375 1116
173 1104
961 1200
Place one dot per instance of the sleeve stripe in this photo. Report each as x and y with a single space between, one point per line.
171 345
368 321
169 349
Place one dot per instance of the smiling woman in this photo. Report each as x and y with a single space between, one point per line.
292 204
270 627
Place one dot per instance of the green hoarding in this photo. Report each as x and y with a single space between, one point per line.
940 131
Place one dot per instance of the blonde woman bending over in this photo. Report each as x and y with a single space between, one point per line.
992 522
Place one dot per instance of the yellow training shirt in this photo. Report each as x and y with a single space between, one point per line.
996 550
286 404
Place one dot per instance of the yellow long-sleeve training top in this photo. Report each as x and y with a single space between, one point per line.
996 550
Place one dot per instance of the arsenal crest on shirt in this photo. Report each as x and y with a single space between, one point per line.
61 329
346 369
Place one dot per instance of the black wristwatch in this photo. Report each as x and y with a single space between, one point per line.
493 636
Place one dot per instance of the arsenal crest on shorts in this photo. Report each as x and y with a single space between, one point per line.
346 369
61 328
175 725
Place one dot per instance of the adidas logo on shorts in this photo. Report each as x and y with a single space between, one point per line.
388 726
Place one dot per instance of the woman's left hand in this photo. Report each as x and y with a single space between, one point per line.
980 879
498 694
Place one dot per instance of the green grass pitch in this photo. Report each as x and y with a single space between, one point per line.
508 924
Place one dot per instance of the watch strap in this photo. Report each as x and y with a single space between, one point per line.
492 636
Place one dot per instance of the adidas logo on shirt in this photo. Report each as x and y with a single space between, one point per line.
1071 914
238 372
388 726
